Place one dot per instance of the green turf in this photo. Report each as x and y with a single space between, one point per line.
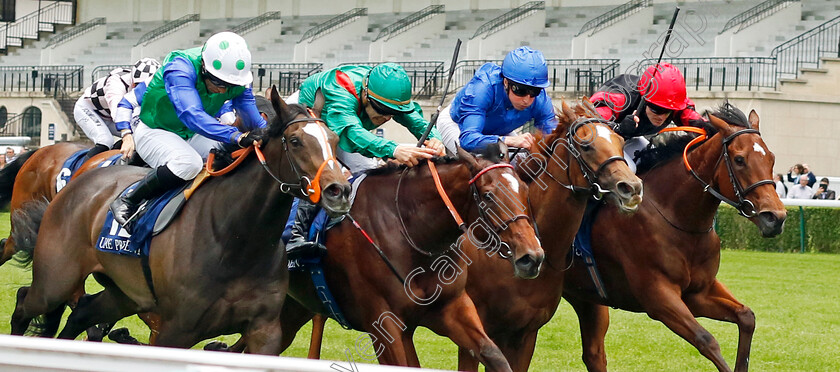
795 299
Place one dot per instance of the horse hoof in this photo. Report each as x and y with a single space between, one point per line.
217 346
95 334
123 336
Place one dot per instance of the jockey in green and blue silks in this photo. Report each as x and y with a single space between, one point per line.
498 100
176 129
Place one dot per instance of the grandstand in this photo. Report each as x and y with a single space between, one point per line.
751 49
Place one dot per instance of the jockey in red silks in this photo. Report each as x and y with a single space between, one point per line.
662 87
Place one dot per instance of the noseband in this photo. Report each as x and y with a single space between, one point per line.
744 207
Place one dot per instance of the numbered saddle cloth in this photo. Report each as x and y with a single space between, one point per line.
73 163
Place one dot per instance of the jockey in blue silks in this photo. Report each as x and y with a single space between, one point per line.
498 100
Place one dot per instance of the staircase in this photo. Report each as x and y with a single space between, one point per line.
30 26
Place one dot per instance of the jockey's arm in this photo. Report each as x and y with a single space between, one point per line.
471 138
246 106
609 105
114 90
125 109
341 118
545 120
226 115
689 116
179 79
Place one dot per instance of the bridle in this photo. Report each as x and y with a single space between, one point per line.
305 188
745 207
504 251
589 174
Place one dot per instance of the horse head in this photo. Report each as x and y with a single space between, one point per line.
308 147
599 154
502 202
746 178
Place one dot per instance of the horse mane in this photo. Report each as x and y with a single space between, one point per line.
673 144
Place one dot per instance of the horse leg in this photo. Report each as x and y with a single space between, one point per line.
594 320
466 360
39 300
390 336
264 336
107 306
459 321
292 317
718 303
8 249
663 302
519 354
318 323
410 351
153 321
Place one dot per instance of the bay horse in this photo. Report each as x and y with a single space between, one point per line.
664 260
401 212
217 269
581 158
32 176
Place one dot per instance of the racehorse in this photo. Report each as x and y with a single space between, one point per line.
401 212
32 176
581 158
217 269
664 261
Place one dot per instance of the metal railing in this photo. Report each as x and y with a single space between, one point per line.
41 78
167 28
609 18
426 76
806 49
256 22
579 76
407 23
723 73
508 18
286 76
103 70
752 15
332 24
75 31
43 19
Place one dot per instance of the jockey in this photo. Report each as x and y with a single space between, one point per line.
665 101
176 129
94 111
353 100
498 100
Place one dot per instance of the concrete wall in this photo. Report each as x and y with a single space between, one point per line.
585 46
264 34
495 46
391 49
308 51
58 54
731 42
178 39
50 113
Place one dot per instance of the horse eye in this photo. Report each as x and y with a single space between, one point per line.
488 196
740 160
295 141
586 147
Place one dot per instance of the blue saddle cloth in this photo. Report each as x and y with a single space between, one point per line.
70 166
115 239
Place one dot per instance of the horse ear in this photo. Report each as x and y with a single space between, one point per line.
754 119
468 159
719 124
279 105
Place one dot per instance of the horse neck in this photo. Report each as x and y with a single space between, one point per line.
557 210
686 194
427 219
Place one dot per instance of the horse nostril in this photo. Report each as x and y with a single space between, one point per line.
526 262
624 188
334 190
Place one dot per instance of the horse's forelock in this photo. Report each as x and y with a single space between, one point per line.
278 125
730 114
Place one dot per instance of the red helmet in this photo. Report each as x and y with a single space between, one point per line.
667 89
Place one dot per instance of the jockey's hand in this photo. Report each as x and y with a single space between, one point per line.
628 124
436 145
248 139
410 155
127 148
525 141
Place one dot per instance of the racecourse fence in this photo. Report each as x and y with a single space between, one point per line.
426 76
286 76
577 76
47 355
723 73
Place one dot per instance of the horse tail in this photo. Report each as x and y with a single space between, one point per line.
27 220
8 175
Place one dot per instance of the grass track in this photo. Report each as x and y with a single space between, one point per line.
795 298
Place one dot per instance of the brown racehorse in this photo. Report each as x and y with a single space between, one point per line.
217 269
405 216
663 261
513 311
32 176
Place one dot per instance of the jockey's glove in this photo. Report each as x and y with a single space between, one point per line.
626 126
248 139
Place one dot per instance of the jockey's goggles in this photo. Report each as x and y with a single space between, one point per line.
382 109
216 81
658 110
521 90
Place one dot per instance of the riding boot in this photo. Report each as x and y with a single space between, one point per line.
299 245
96 149
156 182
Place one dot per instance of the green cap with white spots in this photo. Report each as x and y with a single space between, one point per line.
226 57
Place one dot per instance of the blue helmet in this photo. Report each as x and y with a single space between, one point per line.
526 66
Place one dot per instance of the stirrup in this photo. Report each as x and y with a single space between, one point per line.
131 220
306 249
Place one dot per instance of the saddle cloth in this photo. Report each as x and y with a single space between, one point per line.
73 163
